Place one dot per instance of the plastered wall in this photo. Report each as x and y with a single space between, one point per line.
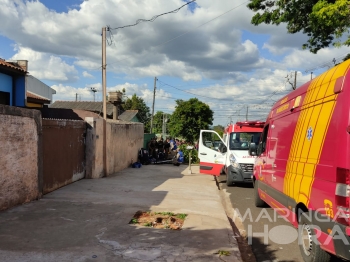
20 156
120 148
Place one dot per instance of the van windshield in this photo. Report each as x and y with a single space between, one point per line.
241 140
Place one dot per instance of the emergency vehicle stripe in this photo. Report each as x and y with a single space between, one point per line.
310 133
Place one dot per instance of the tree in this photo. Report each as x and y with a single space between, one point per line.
324 21
189 118
137 103
158 122
219 129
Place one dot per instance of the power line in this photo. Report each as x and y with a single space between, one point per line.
202 24
153 18
190 92
180 34
328 64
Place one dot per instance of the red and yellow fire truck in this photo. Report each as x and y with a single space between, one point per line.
303 161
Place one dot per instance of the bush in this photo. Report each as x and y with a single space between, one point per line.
194 154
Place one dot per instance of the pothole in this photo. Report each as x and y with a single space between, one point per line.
165 220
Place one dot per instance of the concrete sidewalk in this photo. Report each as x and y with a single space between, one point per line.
88 220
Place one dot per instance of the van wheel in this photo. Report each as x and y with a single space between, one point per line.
309 247
228 181
257 200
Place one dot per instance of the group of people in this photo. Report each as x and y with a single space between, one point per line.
158 148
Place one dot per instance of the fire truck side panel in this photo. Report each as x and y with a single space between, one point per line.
306 163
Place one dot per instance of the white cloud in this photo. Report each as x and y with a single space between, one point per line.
46 66
87 75
137 51
70 93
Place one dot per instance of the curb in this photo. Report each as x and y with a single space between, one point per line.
236 222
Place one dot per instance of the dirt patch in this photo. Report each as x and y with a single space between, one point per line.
165 220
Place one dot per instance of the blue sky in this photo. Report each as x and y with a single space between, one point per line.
207 50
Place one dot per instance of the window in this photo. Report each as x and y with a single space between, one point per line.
4 98
242 140
263 141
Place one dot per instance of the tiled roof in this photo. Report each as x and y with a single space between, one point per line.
61 113
128 115
96 107
11 66
35 96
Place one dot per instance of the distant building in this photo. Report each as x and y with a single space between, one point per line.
18 88
38 93
129 116
96 107
13 83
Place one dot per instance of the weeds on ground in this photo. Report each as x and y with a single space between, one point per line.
181 216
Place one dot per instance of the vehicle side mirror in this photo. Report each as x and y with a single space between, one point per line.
224 149
252 151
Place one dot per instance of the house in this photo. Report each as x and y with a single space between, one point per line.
96 107
18 88
38 94
13 83
129 116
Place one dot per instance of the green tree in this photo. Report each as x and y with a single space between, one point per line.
324 21
158 122
219 129
189 118
137 103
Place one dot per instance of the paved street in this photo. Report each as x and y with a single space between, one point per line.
89 220
281 238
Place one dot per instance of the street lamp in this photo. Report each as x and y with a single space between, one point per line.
94 90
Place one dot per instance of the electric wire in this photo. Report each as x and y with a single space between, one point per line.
152 19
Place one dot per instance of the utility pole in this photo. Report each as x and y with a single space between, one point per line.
165 119
104 92
76 97
104 73
154 97
295 80
246 115
311 75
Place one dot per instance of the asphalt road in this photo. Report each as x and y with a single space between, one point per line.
272 238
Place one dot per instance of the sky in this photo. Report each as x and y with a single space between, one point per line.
207 49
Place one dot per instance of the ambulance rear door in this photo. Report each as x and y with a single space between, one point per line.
212 157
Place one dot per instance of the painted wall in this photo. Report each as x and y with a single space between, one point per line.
123 141
20 93
6 85
20 156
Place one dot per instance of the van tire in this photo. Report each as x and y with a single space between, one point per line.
228 181
257 200
309 249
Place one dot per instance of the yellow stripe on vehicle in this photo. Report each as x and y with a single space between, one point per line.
310 133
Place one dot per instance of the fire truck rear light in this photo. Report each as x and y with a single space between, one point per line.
343 176
342 201
342 190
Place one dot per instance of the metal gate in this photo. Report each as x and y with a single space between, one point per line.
63 152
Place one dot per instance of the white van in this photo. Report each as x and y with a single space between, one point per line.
232 157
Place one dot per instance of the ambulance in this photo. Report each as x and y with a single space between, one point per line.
231 157
303 162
